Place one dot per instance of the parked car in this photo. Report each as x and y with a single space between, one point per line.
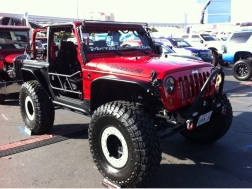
182 47
43 41
207 41
220 38
237 51
13 41
169 52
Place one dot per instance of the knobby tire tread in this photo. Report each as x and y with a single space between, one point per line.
42 105
144 135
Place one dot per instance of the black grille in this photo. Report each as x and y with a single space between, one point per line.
17 67
191 85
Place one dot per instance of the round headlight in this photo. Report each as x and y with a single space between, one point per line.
169 84
11 73
195 54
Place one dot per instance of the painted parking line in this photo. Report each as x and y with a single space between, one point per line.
4 117
40 141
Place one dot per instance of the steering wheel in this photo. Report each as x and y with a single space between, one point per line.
125 31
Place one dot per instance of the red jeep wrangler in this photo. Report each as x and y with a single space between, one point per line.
13 40
133 95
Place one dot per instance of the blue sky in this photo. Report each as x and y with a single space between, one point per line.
124 10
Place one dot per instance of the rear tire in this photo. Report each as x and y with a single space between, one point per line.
2 96
216 128
36 108
124 143
242 69
215 58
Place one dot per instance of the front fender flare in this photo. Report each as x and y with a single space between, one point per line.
97 84
39 77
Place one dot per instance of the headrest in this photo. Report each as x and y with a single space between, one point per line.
66 46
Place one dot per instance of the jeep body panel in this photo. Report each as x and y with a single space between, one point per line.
130 67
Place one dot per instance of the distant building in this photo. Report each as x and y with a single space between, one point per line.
219 11
224 11
101 16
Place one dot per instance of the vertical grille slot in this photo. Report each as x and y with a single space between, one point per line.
187 88
197 84
181 88
193 89
191 85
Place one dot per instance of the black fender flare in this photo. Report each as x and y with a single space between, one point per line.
237 57
96 85
36 73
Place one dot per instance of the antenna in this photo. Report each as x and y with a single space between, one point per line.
77 9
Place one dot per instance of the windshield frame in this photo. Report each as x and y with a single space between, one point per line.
117 31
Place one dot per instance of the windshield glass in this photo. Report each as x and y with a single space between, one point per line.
179 43
43 40
207 37
13 39
114 39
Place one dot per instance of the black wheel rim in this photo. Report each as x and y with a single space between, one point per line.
241 70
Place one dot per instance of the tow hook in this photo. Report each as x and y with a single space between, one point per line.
224 110
189 125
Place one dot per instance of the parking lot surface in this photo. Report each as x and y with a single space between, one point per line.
61 158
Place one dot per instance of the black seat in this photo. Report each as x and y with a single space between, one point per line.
67 58
68 64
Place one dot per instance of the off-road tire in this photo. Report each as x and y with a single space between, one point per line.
242 69
36 108
137 132
216 128
2 96
215 58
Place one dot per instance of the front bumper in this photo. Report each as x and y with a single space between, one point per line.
8 87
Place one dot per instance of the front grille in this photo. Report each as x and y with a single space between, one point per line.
17 67
191 85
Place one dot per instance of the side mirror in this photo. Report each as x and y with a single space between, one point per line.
159 49
170 47
201 41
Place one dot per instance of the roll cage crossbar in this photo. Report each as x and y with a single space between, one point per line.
91 22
